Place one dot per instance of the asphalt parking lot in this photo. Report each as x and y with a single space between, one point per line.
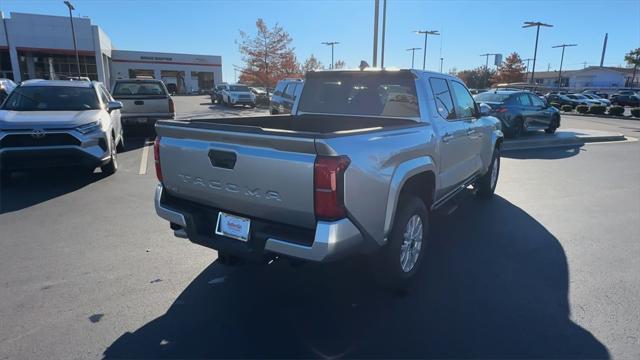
547 269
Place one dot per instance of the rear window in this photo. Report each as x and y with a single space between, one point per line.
52 98
361 93
135 88
491 97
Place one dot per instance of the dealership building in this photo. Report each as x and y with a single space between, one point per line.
41 47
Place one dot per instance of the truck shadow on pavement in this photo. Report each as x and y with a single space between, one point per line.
553 153
494 285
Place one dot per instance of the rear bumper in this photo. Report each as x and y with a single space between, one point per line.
328 241
133 118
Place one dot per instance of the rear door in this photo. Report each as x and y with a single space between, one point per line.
541 113
289 97
523 106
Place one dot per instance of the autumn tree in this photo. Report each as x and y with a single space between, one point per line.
339 64
267 56
476 78
312 63
511 70
633 59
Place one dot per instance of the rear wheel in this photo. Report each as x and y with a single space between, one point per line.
486 185
553 126
518 129
112 166
398 262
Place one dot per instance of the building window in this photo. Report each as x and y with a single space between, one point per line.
141 74
204 79
34 65
5 65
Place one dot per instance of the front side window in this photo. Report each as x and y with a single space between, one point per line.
536 101
390 94
464 104
442 97
52 98
290 91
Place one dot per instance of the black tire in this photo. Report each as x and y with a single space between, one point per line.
387 264
518 129
111 167
555 122
486 185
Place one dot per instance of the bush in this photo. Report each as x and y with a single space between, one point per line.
635 112
582 109
566 108
616 110
555 105
597 109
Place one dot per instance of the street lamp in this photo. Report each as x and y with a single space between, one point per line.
73 34
486 67
413 54
331 43
537 24
561 60
526 78
426 34
441 61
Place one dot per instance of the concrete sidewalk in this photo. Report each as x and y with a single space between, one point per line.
562 137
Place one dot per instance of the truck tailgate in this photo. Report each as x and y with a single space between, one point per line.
253 175
139 105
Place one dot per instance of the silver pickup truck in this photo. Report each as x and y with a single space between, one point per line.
357 168
144 101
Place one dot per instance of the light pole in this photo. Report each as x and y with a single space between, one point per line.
384 29
486 67
526 78
426 34
561 60
73 34
413 53
375 32
537 24
441 60
331 43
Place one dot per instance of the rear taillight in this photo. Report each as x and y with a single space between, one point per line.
329 187
501 110
156 157
172 106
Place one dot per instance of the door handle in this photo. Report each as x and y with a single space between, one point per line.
447 137
471 132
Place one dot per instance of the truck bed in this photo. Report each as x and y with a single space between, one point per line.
297 125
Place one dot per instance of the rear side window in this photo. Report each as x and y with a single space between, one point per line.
442 97
522 100
290 91
134 88
390 94
280 88
464 103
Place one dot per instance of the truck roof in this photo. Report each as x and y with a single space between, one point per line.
419 73
65 83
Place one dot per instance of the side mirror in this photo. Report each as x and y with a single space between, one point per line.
114 105
485 109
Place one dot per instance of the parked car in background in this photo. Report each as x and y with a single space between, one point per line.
145 101
520 111
172 88
625 100
55 123
583 100
285 95
261 95
604 102
238 94
6 87
216 93
561 99
597 93
626 92
358 169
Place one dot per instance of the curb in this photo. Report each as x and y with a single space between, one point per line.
604 116
578 140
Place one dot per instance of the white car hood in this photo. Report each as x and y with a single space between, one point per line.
46 119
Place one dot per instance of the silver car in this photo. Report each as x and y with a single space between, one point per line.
52 123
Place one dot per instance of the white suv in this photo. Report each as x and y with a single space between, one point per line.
238 94
51 123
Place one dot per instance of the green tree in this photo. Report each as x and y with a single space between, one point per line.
633 59
476 78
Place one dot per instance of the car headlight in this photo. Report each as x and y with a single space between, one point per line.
89 128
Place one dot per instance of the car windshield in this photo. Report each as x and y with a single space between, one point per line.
239 88
491 97
139 88
577 96
379 94
52 98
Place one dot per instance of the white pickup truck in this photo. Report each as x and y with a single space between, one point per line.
144 101
357 168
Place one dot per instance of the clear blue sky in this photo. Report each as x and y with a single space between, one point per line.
468 28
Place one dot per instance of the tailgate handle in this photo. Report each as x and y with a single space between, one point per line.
222 159
139 102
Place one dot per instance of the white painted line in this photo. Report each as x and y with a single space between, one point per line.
145 157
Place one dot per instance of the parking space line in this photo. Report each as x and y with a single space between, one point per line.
145 157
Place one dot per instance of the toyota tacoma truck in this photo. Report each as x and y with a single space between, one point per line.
357 168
